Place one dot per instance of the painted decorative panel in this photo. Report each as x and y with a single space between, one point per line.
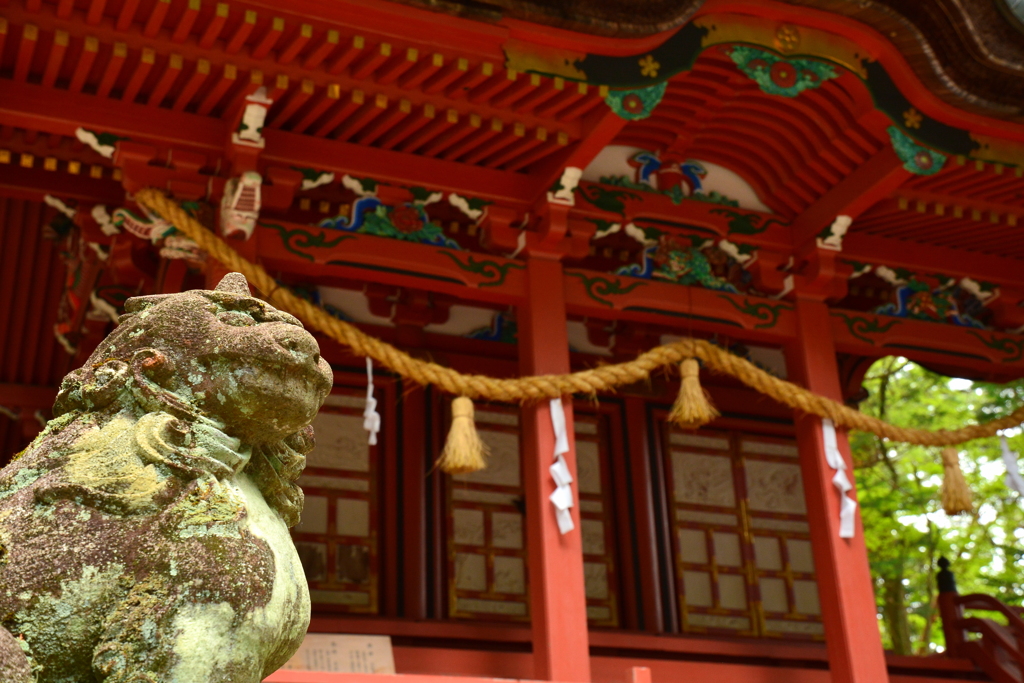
502 463
703 479
774 487
337 537
340 442
743 558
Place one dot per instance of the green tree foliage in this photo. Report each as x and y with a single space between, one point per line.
899 488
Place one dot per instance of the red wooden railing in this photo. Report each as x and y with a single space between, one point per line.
995 648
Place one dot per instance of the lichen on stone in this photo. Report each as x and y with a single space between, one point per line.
144 533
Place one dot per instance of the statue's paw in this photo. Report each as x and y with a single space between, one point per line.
15 666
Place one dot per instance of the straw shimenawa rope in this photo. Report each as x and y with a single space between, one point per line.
538 387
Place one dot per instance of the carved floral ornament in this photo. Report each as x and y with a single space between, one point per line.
783 59
901 293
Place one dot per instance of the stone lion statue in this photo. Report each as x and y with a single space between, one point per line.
144 533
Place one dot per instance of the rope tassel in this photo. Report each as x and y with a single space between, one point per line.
956 495
692 408
464 452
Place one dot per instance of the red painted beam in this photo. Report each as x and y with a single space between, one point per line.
558 605
928 258
600 129
982 354
951 201
639 204
600 295
378 259
34 107
55 59
26 396
215 26
26 51
324 47
873 181
34 183
186 21
138 77
845 587
242 32
287 149
175 63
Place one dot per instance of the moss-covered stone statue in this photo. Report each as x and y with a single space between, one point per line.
144 533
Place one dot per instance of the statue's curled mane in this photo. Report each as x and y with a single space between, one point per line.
139 382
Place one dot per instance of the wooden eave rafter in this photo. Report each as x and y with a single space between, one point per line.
795 152
325 84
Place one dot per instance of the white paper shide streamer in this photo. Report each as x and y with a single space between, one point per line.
371 418
562 497
1013 478
847 505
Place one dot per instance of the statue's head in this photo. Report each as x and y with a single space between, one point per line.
223 354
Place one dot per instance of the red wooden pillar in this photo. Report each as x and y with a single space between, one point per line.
561 649
854 644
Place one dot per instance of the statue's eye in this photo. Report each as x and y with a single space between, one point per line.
236 318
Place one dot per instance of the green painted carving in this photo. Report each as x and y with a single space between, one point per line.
860 326
675 193
768 314
145 531
746 223
1013 349
606 199
598 287
915 158
637 104
297 239
494 272
779 76
103 144
713 197
312 178
422 196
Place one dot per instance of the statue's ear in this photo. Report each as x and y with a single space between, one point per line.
234 283
137 304
155 383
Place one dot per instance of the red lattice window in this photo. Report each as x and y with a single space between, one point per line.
597 519
742 549
487 557
337 538
486 535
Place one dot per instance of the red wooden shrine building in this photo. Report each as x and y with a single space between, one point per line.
516 188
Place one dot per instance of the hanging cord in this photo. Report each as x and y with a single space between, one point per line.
538 387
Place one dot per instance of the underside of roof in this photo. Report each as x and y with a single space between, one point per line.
969 52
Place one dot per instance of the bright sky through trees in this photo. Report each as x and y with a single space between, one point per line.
899 486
